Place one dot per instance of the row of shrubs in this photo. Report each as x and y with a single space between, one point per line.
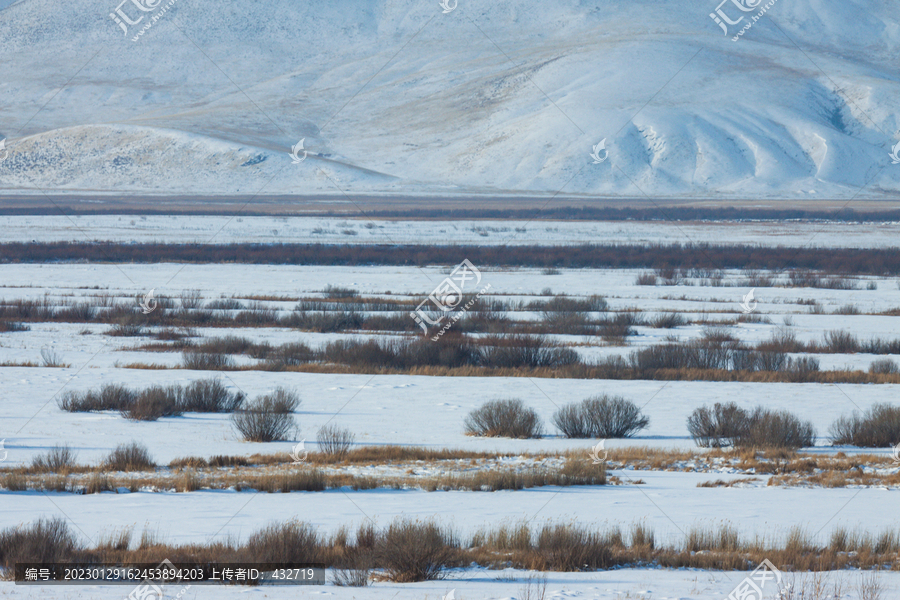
598 417
266 418
202 396
875 261
408 550
717 351
722 425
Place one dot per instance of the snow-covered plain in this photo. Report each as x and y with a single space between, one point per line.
429 411
361 231
490 98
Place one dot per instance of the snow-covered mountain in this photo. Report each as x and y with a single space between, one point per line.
491 97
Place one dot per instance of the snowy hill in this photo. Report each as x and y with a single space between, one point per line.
492 97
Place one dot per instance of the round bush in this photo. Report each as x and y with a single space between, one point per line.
600 417
504 418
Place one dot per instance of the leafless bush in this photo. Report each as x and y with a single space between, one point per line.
44 541
776 429
884 366
534 588
504 418
191 299
524 351
841 342
268 418
415 551
668 320
204 361
11 326
129 457
210 396
291 542
571 547
110 397
351 577
58 459
340 292
601 417
646 279
50 358
718 426
226 304
293 354
334 441
126 329
153 403
878 427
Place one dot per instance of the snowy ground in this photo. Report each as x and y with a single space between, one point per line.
429 411
222 230
478 584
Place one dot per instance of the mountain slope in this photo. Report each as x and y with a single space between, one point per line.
396 96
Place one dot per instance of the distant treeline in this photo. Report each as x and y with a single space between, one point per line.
870 261
447 212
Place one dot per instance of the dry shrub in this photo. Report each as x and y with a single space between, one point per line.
718 426
504 418
129 457
228 461
878 427
153 403
729 425
515 351
211 396
44 541
334 442
268 418
884 366
110 397
777 429
291 542
600 417
206 361
415 551
58 459
571 547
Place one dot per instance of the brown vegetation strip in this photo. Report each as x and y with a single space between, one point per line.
407 550
872 261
